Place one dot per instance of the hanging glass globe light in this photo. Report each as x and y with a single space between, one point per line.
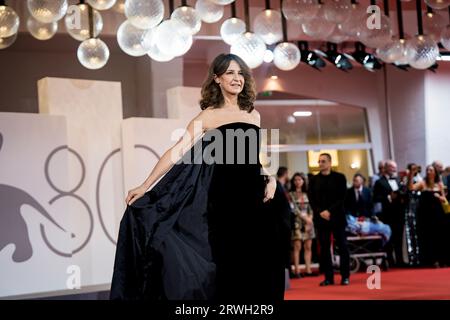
337 11
222 2
130 39
382 53
267 25
251 48
337 36
7 42
405 54
423 52
231 29
318 27
153 51
102 4
189 17
395 51
268 56
377 37
47 11
354 24
445 37
433 23
172 38
81 32
299 10
40 30
119 7
93 53
9 22
144 14
208 11
438 4
286 56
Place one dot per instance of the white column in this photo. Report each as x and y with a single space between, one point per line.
164 75
93 110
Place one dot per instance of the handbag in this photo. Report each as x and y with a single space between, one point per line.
446 206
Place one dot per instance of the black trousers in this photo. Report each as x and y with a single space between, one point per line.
324 231
394 217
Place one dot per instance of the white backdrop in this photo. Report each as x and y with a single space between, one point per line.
32 170
144 142
88 148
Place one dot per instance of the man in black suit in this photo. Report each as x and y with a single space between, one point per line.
326 195
358 201
388 198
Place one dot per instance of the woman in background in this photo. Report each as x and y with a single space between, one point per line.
430 216
303 231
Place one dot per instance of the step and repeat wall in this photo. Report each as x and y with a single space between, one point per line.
64 175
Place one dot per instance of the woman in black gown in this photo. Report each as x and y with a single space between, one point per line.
430 217
207 230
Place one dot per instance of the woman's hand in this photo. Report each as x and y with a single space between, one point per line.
270 189
308 223
440 197
135 194
326 215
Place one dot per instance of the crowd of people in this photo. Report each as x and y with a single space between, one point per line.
409 211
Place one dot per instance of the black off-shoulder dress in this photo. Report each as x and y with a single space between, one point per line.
203 231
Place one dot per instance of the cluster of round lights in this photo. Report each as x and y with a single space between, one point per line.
146 32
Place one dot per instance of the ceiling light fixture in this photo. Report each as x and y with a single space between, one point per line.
302 114
309 57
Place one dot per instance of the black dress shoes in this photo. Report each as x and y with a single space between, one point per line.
325 283
293 275
345 281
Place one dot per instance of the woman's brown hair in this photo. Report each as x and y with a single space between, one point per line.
304 186
437 178
211 92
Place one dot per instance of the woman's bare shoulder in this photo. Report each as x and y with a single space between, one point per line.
257 116
208 112
206 116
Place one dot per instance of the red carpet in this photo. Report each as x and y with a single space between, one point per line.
396 284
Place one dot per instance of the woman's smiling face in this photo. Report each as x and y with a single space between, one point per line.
232 81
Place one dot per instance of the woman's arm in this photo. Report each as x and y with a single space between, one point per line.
418 186
441 194
270 187
272 182
195 130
